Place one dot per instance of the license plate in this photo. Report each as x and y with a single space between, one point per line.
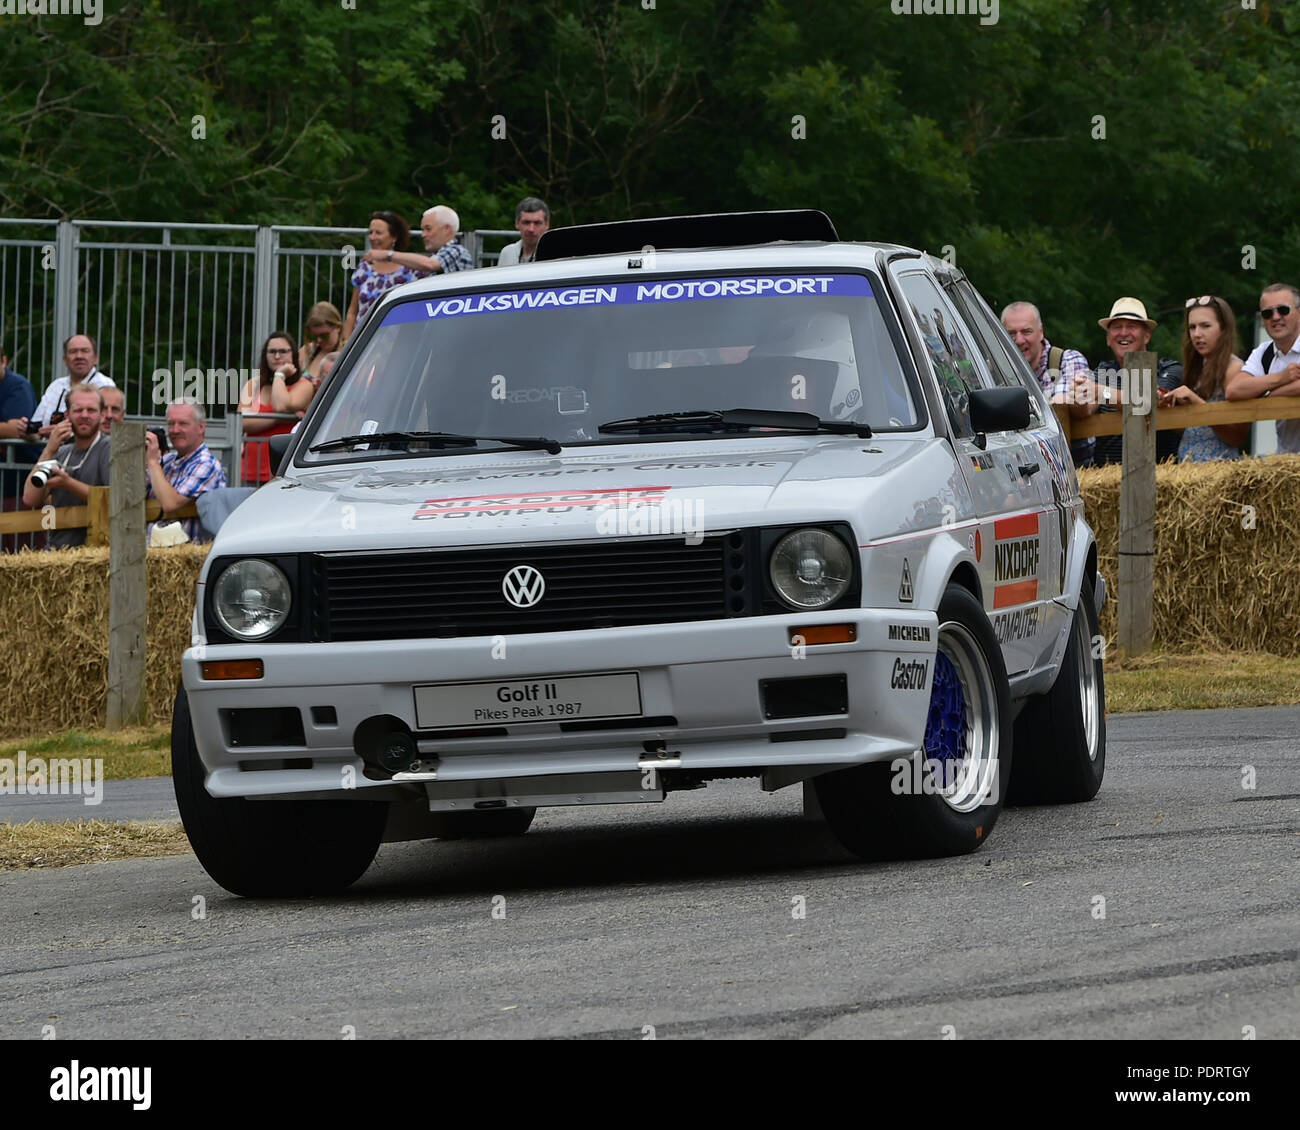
564 699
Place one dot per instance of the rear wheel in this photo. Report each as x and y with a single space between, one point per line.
493 823
946 799
1061 735
270 848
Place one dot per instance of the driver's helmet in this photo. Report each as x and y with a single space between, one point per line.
824 336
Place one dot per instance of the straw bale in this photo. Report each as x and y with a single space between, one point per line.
1226 540
54 635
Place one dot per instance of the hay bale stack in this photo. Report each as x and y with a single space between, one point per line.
1226 541
54 635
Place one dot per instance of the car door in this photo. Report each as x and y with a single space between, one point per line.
1057 483
1004 472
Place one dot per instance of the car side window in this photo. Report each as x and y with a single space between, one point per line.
952 355
995 346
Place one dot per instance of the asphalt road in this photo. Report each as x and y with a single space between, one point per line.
680 918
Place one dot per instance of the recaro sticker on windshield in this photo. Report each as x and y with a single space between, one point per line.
630 294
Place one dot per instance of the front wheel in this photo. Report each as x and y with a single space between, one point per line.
946 799
270 848
1061 735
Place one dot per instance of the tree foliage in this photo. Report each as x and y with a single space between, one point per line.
919 129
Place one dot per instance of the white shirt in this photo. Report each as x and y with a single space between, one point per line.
56 394
1288 431
510 254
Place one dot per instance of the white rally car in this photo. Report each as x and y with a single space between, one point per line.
663 507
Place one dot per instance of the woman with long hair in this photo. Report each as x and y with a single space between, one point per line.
322 333
1209 335
277 368
389 232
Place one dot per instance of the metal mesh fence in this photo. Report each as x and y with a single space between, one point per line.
173 307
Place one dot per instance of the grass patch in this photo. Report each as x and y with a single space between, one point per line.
1201 682
25 846
141 751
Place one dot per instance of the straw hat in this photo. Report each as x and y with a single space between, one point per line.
1128 308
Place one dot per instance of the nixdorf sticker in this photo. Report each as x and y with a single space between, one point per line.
1015 560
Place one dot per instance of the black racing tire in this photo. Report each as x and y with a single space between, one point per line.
270 848
1061 735
903 811
493 824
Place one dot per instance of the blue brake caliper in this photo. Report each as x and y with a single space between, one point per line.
945 728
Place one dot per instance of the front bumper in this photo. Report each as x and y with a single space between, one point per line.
700 689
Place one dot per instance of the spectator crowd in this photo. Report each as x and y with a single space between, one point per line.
76 412
1208 371
65 433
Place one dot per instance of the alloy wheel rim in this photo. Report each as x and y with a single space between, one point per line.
961 732
1089 696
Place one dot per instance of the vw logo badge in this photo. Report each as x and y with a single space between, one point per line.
523 586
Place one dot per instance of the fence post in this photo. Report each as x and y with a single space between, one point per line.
127 578
1137 504
65 286
97 508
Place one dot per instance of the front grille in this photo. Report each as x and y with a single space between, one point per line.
607 584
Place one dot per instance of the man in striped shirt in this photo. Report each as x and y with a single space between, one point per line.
1063 373
179 477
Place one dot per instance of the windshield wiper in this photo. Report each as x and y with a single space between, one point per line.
734 420
437 439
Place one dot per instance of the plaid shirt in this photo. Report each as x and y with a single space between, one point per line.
453 257
198 472
1073 364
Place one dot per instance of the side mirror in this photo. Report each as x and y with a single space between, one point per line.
279 445
999 409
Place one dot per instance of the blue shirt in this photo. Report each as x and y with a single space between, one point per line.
17 399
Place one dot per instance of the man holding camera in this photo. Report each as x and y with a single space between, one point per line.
179 477
74 460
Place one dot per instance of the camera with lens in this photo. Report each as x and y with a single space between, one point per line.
33 426
42 471
161 435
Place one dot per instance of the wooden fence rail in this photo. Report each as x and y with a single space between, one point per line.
93 517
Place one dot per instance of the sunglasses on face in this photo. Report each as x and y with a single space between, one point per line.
1269 311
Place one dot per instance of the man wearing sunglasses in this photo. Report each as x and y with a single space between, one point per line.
1274 367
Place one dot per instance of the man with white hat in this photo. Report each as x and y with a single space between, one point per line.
1128 330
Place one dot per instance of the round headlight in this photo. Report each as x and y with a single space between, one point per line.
811 569
251 599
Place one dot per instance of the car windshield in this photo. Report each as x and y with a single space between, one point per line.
561 360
